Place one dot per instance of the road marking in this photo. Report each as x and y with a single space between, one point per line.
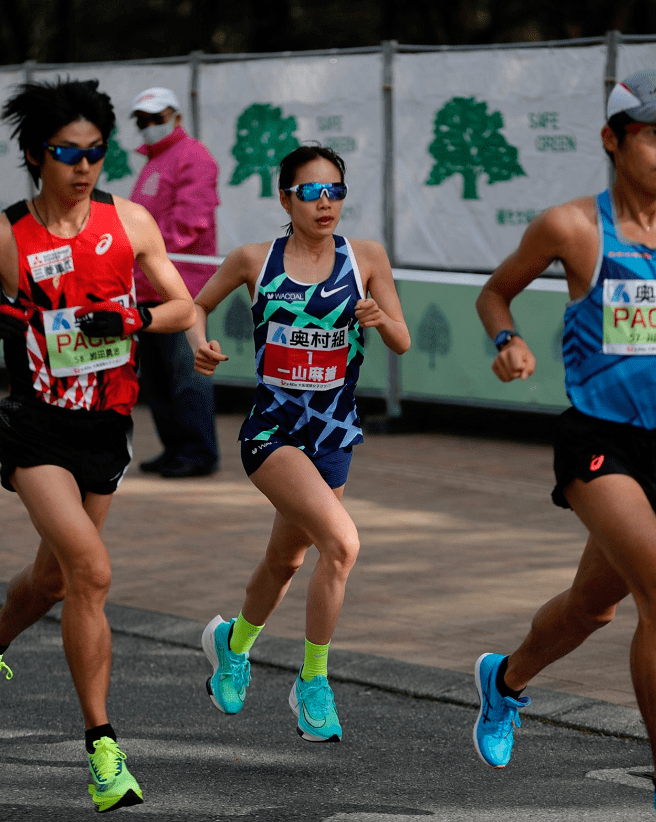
638 777
360 816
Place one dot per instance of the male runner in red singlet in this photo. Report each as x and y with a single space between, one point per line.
67 318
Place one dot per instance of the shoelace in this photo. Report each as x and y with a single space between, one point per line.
318 697
240 671
506 716
512 716
106 760
4 667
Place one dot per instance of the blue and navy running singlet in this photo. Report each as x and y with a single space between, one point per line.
308 351
609 344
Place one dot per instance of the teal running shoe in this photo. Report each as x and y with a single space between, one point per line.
313 704
498 715
113 785
8 673
232 672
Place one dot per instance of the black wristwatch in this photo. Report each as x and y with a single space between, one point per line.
504 337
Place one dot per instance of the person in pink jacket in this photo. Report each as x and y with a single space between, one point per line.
178 186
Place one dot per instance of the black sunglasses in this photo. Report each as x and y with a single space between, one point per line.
145 120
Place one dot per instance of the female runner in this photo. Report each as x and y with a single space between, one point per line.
313 293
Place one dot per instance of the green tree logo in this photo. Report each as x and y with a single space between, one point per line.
264 137
434 334
116 160
468 142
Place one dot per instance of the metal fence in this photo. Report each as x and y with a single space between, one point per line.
395 112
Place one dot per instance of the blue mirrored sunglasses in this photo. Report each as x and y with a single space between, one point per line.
72 155
312 191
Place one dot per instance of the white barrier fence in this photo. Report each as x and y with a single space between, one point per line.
450 152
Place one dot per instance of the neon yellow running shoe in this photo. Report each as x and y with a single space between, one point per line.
113 785
4 667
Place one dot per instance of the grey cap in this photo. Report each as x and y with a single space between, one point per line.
636 95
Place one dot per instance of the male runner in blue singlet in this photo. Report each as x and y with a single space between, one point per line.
605 445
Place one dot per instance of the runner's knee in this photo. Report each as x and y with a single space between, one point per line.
645 600
342 550
90 581
284 568
50 587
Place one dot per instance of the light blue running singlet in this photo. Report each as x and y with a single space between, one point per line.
609 344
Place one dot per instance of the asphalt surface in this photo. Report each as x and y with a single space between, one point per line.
406 755
460 544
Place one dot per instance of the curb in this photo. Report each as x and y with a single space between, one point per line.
409 679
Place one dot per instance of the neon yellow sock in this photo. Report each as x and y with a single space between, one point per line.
243 635
316 661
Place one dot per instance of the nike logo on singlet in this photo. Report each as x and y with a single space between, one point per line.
325 293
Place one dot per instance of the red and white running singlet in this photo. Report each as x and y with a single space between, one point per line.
56 363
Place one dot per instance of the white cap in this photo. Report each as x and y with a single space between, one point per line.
636 96
154 100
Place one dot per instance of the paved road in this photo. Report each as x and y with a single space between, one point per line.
460 545
402 759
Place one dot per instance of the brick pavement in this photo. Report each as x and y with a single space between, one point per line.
460 544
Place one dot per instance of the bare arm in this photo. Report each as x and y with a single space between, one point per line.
8 259
564 232
240 267
382 309
176 313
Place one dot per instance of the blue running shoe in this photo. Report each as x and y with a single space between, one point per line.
493 731
232 672
313 704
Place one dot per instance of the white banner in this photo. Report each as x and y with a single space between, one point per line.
632 58
462 196
484 140
15 180
254 112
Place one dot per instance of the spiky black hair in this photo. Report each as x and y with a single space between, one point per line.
39 110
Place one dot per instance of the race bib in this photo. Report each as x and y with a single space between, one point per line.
45 265
629 324
71 353
305 359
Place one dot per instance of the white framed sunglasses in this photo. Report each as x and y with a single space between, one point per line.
307 192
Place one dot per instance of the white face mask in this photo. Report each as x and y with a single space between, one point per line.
154 133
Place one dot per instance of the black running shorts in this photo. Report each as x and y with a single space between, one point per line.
587 447
95 446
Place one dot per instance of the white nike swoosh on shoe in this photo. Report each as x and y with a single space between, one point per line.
325 293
